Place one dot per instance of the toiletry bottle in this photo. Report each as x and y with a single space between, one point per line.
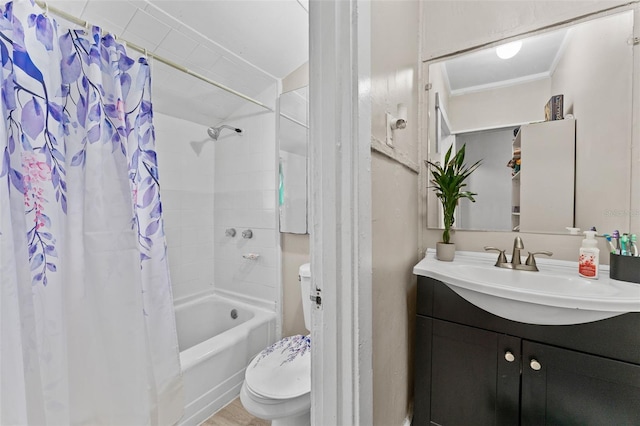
589 260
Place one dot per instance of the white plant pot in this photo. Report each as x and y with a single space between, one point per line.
445 251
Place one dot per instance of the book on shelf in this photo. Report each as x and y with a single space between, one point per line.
554 109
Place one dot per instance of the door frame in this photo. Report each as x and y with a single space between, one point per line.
340 173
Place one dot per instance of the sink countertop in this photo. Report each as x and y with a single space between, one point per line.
556 285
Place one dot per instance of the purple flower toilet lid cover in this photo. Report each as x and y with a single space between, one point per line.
283 370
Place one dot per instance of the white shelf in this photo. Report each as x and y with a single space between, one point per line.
516 141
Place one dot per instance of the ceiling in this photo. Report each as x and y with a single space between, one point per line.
483 70
247 45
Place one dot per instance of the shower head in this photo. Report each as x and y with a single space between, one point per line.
214 132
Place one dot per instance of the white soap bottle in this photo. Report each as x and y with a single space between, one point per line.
589 260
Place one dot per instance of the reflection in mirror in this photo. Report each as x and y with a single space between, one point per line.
574 170
492 211
293 140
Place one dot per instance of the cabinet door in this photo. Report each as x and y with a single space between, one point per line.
572 388
547 176
422 372
472 383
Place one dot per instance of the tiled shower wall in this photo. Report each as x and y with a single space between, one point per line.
230 183
236 174
187 188
245 198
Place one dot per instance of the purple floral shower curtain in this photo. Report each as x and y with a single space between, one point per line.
87 327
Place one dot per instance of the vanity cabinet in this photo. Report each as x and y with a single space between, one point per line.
474 368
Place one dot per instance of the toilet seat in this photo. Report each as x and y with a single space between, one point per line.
282 371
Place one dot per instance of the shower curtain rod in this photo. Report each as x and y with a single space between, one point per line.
83 23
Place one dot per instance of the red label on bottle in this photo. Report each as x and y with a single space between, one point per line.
587 267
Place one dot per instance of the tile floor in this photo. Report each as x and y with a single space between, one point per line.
234 414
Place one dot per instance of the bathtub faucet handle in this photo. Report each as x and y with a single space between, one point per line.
251 256
247 233
230 232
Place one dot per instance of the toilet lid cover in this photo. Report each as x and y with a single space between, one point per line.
283 370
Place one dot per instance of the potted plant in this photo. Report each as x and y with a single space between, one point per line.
448 181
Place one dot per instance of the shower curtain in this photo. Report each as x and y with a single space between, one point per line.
87 328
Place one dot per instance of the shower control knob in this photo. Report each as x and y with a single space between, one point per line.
247 233
230 232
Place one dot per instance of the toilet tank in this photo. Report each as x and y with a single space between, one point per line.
304 275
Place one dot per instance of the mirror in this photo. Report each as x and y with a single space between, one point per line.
574 171
293 138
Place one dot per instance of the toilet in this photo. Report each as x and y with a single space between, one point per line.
277 382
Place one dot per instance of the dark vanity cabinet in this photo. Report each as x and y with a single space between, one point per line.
474 368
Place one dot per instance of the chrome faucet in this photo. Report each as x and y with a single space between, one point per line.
516 261
515 256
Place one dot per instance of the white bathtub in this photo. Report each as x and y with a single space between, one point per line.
216 348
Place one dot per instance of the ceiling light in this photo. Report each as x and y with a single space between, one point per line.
508 50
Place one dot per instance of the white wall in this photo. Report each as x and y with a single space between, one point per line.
230 183
450 26
293 212
394 72
295 252
294 247
601 49
394 209
245 198
488 109
186 182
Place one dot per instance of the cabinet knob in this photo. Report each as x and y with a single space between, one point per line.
509 356
535 365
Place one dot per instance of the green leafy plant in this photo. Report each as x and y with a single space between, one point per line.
448 182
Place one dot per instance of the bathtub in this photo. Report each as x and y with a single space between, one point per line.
218 336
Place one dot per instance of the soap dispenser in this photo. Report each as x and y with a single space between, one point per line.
589 260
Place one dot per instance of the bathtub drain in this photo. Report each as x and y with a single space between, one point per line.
234 314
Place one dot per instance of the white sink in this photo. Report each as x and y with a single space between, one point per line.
556 295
